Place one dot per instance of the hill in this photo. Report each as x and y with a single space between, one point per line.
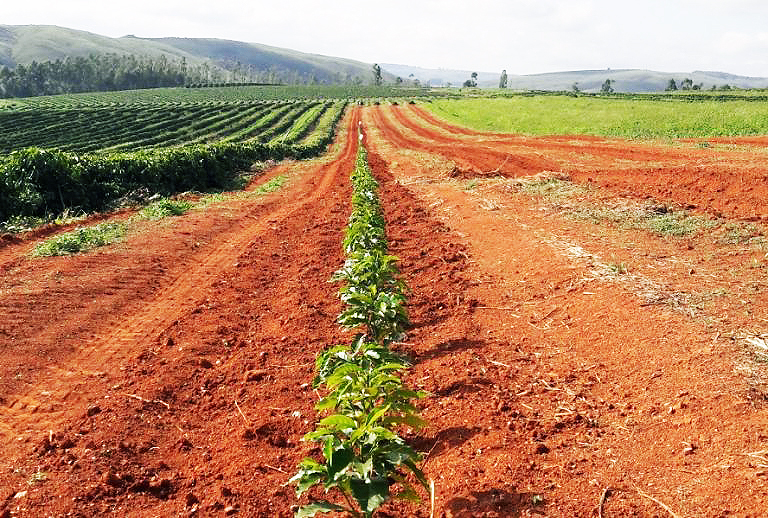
22 44
626 80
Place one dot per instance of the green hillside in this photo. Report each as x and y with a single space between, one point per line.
22 44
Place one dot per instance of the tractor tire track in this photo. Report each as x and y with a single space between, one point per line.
62 388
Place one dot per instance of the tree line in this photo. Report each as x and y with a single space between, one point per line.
111 72
95 73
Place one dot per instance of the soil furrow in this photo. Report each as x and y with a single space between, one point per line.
554 389
717 182
84 348
574 385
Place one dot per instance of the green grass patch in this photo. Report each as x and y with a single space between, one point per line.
19 224
668 223
660 220
633 118
738 233
215 197
618 268
87 238
81 239
677 224
273 185
166 207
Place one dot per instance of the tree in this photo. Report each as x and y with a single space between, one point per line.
376 74
686 84
575 87
471 82
607 88
671 86
503 79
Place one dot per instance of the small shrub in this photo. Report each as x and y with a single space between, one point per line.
166 207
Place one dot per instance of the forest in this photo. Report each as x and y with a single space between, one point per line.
106 72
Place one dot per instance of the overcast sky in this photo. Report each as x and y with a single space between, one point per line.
522 36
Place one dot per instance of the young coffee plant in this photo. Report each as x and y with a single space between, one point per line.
363 456
380 313
366 400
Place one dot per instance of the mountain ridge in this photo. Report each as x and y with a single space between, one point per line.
22 44
625 79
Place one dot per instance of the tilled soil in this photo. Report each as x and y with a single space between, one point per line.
169 375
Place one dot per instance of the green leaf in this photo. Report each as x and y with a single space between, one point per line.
327 403
306 482
363 469
338 422
411 420
311 465
338 462
318 433
321 506
375 416
310 473
407 493
417 472
370 495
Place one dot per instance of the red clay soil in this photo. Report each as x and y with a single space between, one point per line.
731 183
582 391
169 375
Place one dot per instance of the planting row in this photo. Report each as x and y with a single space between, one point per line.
40 182
228 94
131 128
366 402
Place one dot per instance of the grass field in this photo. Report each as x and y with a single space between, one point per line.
605 116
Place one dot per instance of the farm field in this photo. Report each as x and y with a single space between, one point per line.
88 154
631 116
588 318
111 129
220 94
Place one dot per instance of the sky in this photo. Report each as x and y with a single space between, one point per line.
521 36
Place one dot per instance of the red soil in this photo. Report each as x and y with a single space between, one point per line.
169 375
733 183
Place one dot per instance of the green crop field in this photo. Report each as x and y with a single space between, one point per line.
155 96
81 152
614 116
131 128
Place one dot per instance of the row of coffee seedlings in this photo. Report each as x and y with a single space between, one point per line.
366 401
